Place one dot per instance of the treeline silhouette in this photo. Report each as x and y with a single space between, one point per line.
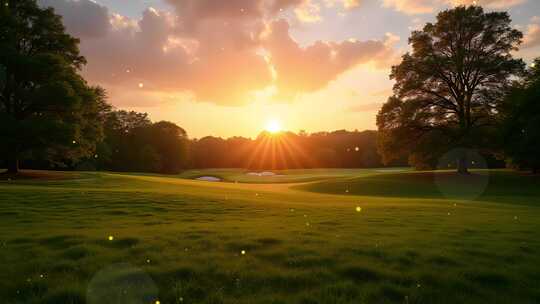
132 143
338 149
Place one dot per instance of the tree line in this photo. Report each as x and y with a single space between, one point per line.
130 142
459 87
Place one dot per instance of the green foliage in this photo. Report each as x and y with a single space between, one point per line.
46 108
449 88
133 143
522 121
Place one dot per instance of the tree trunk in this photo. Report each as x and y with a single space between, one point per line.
13 163
462 166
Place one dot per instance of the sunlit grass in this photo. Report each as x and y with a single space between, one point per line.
389 239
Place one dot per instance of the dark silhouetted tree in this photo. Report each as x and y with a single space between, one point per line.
45 106
449 89
133 143
522 121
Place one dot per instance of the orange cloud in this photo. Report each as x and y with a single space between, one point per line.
224 52
413 7
496 4
311 68
532 35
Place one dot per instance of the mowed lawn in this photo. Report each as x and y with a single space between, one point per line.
309 236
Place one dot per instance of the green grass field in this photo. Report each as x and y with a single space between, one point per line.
307 236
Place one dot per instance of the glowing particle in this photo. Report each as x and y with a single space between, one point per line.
346 190
418 285
243 252
141 85
128 71
111 237
157 302
96 156
308 224
515 218
533 65
358 209
74 142
356 149
256 194
448 213
41 276
148 261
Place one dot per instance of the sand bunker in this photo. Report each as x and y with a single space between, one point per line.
209 179
264 173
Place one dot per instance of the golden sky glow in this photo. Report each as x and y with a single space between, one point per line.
228 68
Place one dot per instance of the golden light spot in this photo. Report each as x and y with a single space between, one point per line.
157 302
111 237
141 85
74 142
358 209
273 126
243 252
357 149
533 65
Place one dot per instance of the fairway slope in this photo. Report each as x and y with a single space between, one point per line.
112 238
495 186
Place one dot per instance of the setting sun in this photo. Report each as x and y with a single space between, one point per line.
273 126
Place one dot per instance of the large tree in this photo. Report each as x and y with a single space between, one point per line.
46 107
449 88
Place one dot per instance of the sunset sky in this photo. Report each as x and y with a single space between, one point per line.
228 67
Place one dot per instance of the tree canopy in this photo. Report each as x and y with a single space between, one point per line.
133 143
521 135
449 89
46 107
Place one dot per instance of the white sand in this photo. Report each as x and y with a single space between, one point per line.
264 173
209 179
